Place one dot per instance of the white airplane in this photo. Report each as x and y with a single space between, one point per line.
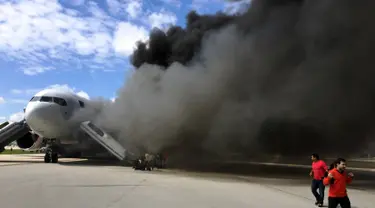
60 120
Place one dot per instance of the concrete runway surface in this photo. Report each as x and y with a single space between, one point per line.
76 183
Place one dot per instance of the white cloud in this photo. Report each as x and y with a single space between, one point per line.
16 116
34 70
66 87
34 32
63 87
3 118
126 35
17 101
198 4
134 8
83 94
229 7
25 92
162 19
14 101
176 3
239 6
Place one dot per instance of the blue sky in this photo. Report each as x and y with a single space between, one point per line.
78 45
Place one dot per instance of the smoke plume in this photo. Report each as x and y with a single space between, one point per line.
287 77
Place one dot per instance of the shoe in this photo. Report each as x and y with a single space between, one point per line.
320 205
316 203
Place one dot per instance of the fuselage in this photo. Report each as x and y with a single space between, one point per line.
57 114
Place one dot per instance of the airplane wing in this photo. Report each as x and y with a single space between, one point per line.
105 140
10 132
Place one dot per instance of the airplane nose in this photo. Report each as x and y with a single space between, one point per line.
42 118
35 115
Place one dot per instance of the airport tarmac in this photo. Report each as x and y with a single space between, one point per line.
81 184
6 159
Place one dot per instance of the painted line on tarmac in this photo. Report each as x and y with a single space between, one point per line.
12 164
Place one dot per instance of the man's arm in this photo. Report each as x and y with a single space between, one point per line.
329 179
324 166
349 178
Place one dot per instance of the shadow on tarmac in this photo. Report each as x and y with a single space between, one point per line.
299 175
290 175
20 162
91 162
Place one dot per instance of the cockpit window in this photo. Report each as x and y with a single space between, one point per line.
35 98
46 99
82 104
59 101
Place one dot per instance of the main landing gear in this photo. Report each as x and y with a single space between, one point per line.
51 155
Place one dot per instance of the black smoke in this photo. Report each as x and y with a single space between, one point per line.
287 77
178 44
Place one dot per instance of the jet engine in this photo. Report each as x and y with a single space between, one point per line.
27 140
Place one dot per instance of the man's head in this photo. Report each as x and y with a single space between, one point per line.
314 157
341 164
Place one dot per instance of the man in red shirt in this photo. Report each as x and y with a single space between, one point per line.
319 168
337 179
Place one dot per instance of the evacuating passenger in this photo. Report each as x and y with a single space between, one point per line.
319 168
337 179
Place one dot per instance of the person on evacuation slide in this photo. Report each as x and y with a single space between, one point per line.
337 180
318 171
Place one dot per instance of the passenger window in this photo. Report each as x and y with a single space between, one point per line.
36 98
46 99
60 101
82 104
96 129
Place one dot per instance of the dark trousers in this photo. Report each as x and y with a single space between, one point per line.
315 185
343 201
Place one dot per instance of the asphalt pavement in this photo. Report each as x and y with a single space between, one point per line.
80 183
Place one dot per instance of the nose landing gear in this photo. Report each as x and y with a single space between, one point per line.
52 154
